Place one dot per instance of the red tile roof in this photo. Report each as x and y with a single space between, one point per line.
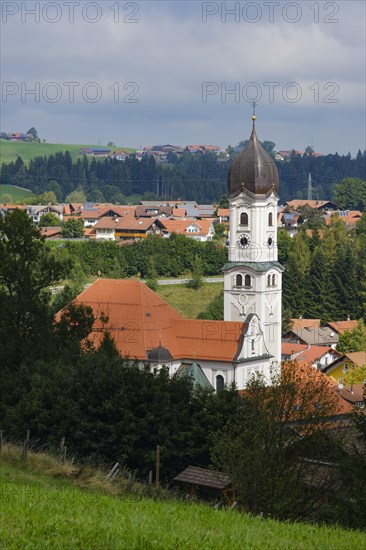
300 324
314 353
139 321
223 212
288 348
342 326
180 226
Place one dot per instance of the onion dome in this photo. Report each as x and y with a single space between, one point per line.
160 355
253 170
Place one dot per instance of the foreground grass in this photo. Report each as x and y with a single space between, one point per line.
41 512
187 301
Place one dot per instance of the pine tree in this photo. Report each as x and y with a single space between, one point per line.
321 301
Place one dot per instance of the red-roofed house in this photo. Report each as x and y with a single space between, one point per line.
223 215
317 356
199 230
127 227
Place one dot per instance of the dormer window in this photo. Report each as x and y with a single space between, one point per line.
247 281
273 280
243 218
269 280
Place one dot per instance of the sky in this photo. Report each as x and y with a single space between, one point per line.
183 72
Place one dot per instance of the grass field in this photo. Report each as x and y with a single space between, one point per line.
10 150
17 193
43 511
187 301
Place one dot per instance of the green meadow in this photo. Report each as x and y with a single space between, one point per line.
10 150
17 193
187 301
44 510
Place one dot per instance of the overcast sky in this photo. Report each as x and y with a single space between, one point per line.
153 72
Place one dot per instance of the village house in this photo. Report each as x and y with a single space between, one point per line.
199 230
36 212
310 332
321 205
127 227
290 221
344 364
348 217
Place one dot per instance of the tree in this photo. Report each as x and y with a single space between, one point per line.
49 220
197 274
353 340
55 187
223 202
110 144
321 301
76 196
351 193
34 133
266 450
6 198
269 147
151 274
27 269
355 375
73 228
215 309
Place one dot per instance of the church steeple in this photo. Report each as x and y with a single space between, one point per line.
253 170
253 276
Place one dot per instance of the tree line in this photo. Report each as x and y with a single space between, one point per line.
324 277
200 178
57 384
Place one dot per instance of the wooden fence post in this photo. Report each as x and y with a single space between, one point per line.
25 446
63 450
157 469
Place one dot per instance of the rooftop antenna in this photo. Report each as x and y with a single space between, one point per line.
310 188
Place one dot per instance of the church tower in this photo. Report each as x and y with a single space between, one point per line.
253 276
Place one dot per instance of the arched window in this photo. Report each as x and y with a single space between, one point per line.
253 346
270 219
243 218
247 280
269 280
273 280
220 382
239 280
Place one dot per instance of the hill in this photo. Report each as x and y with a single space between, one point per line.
42 509
10 150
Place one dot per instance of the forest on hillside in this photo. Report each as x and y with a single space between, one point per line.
199 178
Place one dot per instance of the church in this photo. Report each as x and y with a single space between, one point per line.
148 330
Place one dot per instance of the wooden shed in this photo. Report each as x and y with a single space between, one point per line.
201 477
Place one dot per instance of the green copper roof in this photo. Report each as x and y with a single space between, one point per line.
256 266
195 371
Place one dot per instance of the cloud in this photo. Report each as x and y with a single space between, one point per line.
169 53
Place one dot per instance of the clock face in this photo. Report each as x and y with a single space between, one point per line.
243 241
